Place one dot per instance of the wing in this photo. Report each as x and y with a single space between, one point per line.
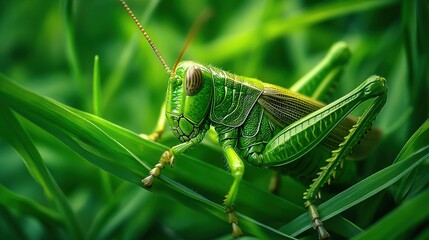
285 107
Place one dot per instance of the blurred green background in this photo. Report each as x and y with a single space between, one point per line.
49 47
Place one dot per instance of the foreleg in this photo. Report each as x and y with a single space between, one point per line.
168 158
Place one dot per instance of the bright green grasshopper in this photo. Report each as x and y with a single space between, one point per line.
267 125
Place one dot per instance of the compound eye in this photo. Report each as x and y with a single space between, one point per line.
193 80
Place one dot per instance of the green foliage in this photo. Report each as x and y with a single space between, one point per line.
53 192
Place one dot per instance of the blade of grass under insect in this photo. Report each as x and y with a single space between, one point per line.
232 45
11 200
365 188
393 225
115 149
21 141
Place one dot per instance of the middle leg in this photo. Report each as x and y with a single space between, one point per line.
237 170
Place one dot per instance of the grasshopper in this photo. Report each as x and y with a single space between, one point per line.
267 125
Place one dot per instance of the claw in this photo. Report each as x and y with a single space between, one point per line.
232 218
167 157
172 161
147 181
317 223
236 230
323 234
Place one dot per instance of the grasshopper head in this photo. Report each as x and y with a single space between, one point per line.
188 101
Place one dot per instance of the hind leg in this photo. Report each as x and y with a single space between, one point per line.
300 137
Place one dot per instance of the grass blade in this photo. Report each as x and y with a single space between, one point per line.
96 87
26 206
393 225
10 224
407 186
415 16
21 141
71 49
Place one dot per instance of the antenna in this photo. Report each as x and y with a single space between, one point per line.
191 35
152 45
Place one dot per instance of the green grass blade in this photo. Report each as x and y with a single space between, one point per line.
96 107
10 225
123 203
96 87
415 211
71 50
413 182
419 140
21 141
415 16
342 227
11 200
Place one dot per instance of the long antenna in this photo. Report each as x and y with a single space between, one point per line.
152 45
191 35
